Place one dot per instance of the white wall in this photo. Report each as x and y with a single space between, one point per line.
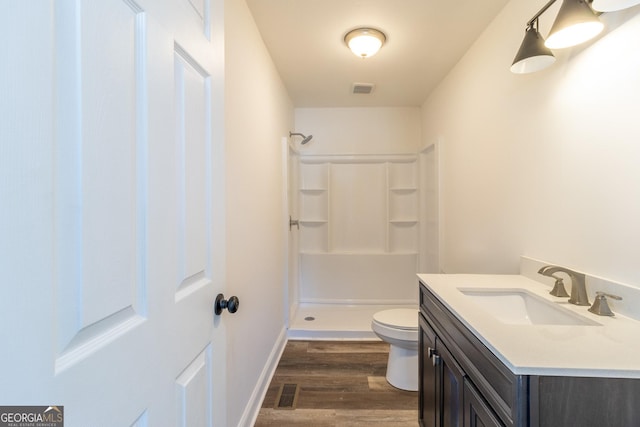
258 114
546 164
390 130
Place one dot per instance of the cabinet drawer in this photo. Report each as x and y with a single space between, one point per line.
503 390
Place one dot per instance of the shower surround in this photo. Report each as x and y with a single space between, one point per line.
363 193
358 243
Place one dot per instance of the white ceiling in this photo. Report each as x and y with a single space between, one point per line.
425 39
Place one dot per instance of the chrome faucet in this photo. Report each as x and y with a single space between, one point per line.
578 286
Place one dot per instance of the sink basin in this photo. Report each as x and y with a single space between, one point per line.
521 307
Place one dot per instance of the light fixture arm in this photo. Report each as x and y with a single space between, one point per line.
547 6
540 12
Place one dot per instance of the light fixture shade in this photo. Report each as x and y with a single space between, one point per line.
576 23
365 42
533 55
613 5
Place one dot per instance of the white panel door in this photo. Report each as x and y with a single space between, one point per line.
112 216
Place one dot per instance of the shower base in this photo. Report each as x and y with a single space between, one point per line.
336 322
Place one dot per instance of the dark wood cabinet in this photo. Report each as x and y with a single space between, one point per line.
427 370
463 384
476 410
451 386
442 382
450 356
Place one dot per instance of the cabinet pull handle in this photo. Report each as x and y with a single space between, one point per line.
430 352
435 360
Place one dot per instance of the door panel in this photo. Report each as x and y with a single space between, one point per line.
477 412
193 136
452 378
194 392
99 243
429 397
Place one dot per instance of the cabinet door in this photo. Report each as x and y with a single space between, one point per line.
477 412
427 371
450 383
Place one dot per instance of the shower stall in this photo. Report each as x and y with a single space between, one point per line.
362 226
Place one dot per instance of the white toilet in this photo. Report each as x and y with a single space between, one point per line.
399 328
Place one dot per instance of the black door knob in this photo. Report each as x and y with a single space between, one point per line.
231 304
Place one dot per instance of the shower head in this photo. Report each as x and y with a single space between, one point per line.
305 139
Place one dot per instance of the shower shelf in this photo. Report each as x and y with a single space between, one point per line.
361 253
365 202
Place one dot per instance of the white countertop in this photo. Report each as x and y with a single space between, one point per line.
609 349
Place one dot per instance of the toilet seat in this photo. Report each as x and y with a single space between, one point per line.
398 318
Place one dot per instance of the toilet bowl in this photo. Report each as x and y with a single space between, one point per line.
399 328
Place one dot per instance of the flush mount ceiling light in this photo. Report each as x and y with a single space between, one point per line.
575 23
613 5
365 42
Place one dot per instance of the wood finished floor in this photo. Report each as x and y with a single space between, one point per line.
340 384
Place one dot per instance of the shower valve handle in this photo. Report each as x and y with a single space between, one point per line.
293 222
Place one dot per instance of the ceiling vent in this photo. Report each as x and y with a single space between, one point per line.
362 88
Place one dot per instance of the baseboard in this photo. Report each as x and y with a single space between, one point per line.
252 409
357 302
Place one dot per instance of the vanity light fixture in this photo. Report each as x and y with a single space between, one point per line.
533 55
575 23
365 42
613 5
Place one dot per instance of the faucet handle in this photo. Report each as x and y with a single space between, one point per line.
601 306
604 294
558 289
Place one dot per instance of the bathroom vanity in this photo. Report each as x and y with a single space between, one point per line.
481 364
